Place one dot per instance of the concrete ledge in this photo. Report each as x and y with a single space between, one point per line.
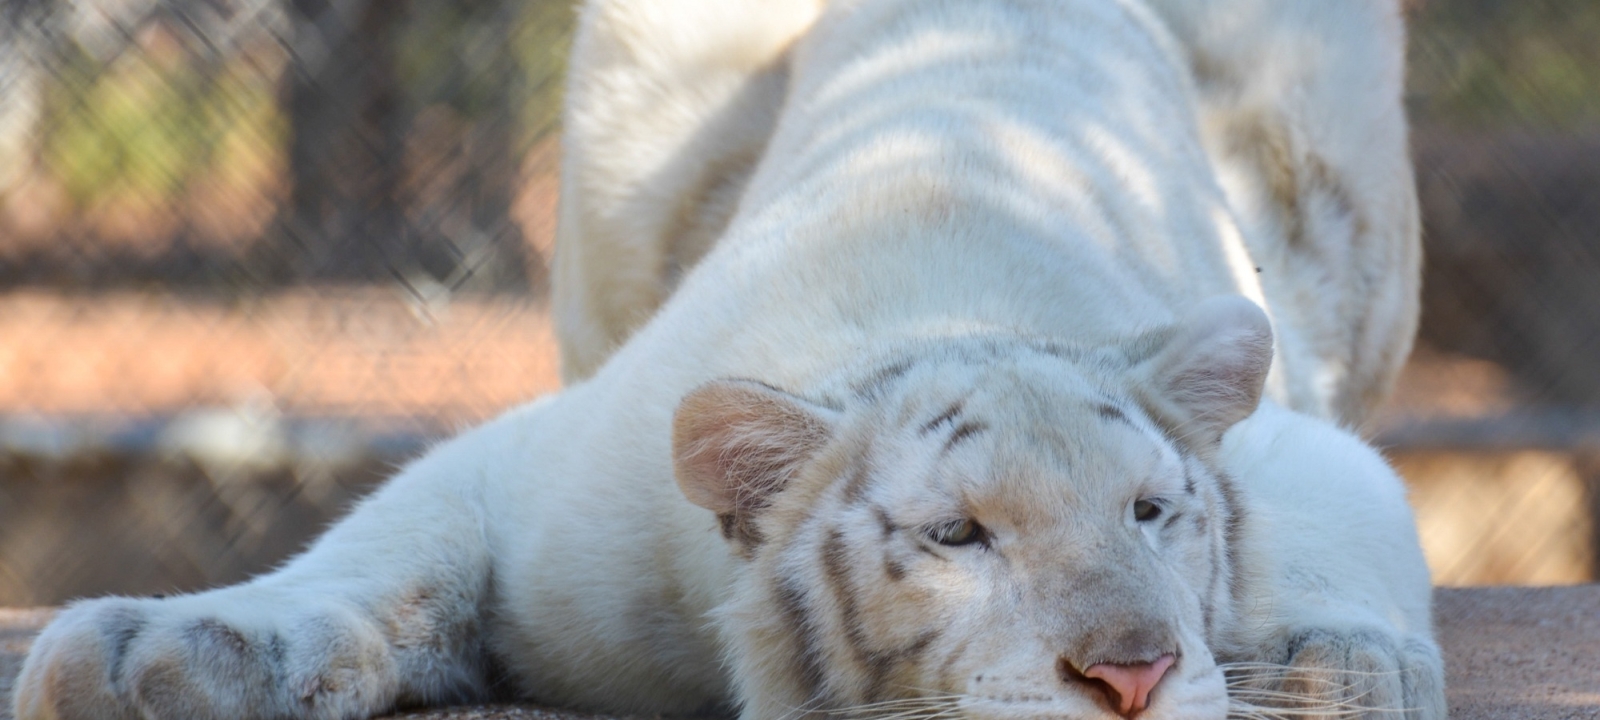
1529 653
1511 654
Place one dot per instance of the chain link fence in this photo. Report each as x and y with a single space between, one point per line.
254 253
1496 423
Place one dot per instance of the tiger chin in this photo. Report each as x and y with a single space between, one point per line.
929 359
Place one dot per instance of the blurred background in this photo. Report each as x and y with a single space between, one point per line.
256 253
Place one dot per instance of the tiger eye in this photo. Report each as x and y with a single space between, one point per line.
959 532
1145 511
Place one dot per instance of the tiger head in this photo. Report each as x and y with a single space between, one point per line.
984 527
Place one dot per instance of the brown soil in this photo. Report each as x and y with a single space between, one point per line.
342 352
368 351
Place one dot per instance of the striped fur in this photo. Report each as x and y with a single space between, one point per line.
1046 446
916 361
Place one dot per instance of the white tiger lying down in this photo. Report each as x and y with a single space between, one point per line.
960 395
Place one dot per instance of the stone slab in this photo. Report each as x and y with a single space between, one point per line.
1517 653
1510 654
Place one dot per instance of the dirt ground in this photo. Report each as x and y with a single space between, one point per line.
1510 654
346 352
384 352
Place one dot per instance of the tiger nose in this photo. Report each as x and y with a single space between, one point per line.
1127 686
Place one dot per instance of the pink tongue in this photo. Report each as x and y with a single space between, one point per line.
1132 683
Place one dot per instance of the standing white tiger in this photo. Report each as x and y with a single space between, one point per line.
959 424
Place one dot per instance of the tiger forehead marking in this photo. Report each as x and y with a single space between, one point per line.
1067 425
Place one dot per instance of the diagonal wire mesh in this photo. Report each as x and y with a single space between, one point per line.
1498 417
254 253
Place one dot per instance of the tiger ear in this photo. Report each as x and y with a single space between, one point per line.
1209 372
735 443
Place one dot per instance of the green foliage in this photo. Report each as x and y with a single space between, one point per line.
155 119
484 57
543 43
147 126
1526 63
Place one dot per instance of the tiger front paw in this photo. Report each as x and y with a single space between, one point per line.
203 657
1361 673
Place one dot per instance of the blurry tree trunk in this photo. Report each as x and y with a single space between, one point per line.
494 253
362 208
347 127
25 30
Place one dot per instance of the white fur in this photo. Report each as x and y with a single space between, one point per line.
902 172
1296 104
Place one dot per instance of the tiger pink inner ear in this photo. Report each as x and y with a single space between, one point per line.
736 442
1211 372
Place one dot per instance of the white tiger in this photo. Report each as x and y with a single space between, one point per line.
951 367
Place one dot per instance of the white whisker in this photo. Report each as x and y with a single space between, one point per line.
1232 669
930 706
